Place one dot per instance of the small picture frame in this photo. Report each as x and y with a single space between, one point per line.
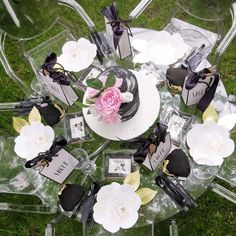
118 164
178 124
76 129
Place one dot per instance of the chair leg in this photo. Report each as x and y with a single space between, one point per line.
173 228
39 209
224 192
50 227
153 228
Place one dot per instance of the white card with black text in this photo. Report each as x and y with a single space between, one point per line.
62 164
162 151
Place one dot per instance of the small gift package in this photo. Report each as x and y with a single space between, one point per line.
177 164
70 195
55 163
37 144
57 80
79 201
117 31
155 148
199 87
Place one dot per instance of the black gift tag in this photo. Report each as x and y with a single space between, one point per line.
71 196
178 163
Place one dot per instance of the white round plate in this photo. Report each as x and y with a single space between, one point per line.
145 117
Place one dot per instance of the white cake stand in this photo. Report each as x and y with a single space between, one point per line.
146 115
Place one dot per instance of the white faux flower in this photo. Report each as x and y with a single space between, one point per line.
126 97
78 55
117 207
33 139
209 143
162 49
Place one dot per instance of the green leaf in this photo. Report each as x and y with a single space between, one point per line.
133 179
111 80
89 102
19 123
94 83
210 114
34 116
81 105
146 195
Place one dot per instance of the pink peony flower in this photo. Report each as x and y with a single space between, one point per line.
108 104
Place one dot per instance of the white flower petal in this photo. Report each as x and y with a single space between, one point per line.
22 151
227 148
210 161
209 143
228 121
98 214
139 44
69 46
127 97
128 222
193 135
111 226
141 58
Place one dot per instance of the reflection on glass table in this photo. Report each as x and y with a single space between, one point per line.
161 207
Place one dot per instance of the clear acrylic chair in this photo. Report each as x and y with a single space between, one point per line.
227 173
210 12
23 22
195 15
15 179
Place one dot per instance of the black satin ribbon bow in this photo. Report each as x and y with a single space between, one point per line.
111 13
175 191
192 80
47 156
155 138
58 75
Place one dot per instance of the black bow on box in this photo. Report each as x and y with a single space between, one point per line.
118 25
47 156
58 75
149 145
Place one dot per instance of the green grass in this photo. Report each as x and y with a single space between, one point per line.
214 215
